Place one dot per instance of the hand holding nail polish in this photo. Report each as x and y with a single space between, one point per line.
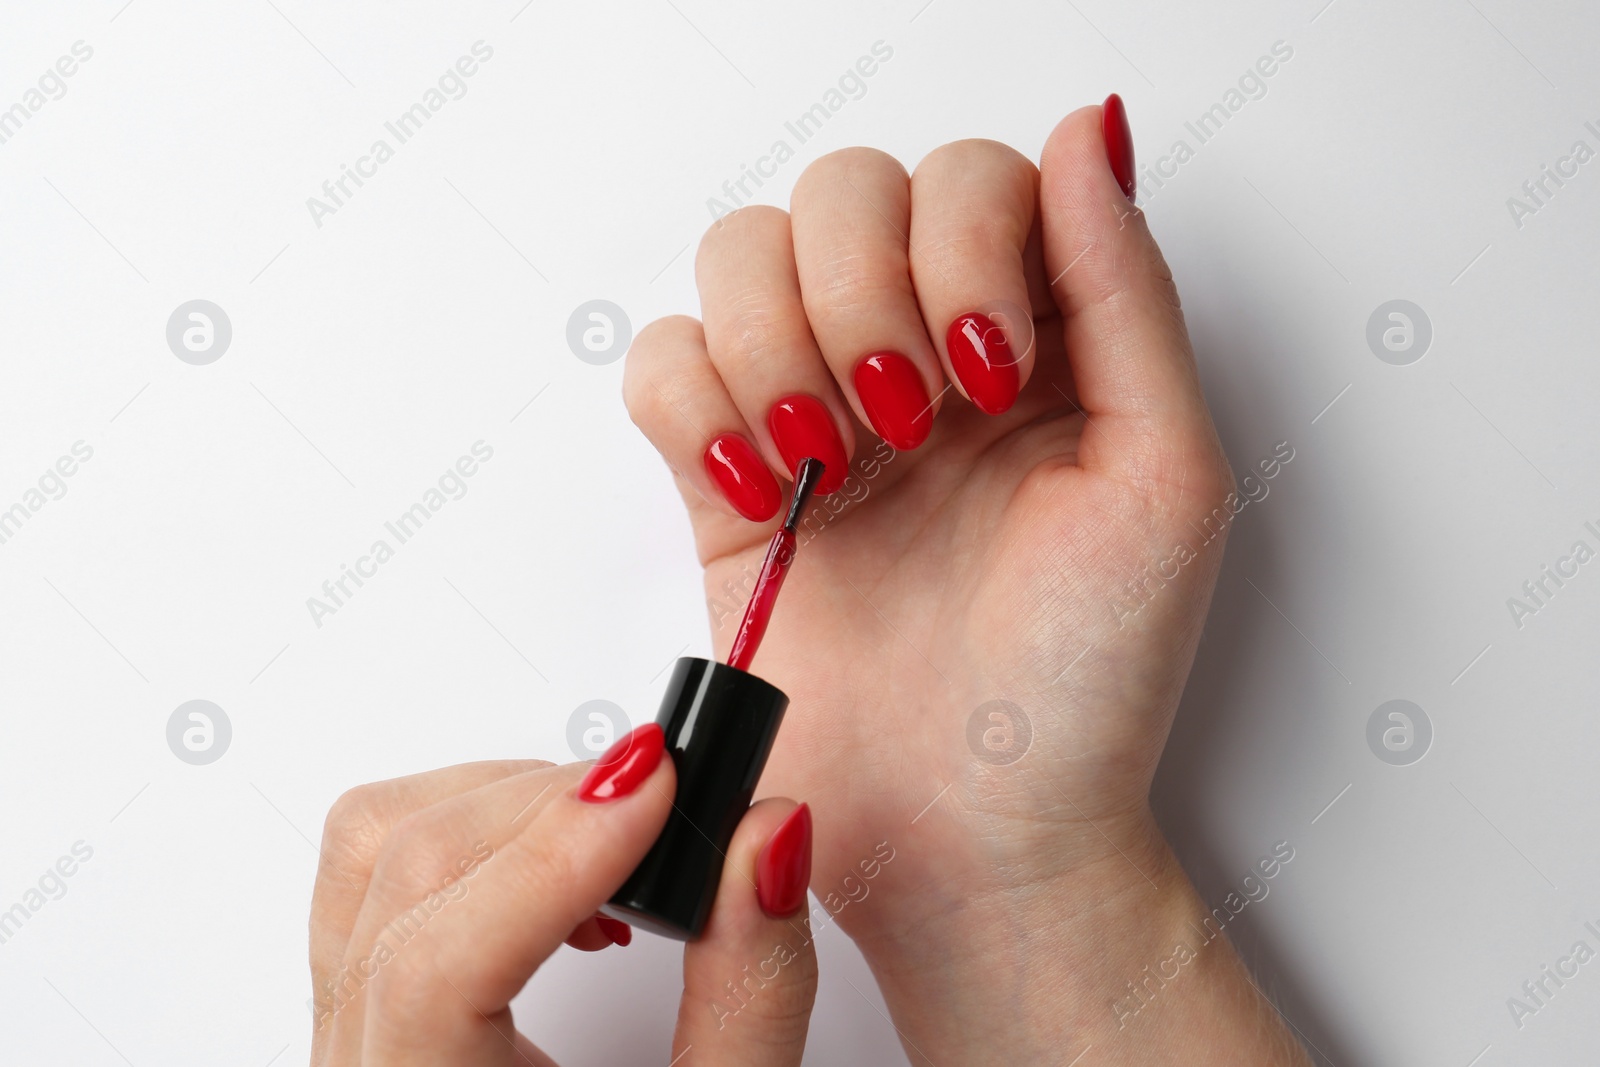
498 865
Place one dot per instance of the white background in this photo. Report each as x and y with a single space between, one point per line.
369 353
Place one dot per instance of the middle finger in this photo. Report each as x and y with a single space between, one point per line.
852 218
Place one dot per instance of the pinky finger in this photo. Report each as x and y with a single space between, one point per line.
676 397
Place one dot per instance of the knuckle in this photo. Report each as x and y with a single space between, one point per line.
855 164
650 391
755 331
655 403
854 283
663 334
982 192
1129 275
545 876
975 153
357 824
999 167
750 223
416 855
784 1008
964 246
643 370
1163 288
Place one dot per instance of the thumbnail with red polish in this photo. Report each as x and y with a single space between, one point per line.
802 426
783 868
625 765
981 356
895 400
1119 143
742 475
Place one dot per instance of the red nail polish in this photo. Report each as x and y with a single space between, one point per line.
897 405
783 868
620 933
737 468
625 765
1119 143
981 357
802 427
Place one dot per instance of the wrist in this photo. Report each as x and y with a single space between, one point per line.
1114 953
1018 972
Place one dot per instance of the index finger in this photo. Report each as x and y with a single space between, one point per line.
443 998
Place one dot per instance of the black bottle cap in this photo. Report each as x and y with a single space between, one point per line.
719 723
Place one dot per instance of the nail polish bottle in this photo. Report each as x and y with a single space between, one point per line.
719 723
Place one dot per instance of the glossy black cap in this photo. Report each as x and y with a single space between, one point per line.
719 723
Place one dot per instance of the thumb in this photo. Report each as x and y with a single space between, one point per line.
1129 350
750 981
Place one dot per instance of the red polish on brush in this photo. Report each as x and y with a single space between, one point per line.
718 723
780 554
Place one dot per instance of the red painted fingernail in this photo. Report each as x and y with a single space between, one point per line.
896 403
737 468
802 427
783 868
982 359
1119 143
625 765
620 933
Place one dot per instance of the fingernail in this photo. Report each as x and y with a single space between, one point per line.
1119 143
783 868
897 405
737 468
620 933
802 426
625 765
981 356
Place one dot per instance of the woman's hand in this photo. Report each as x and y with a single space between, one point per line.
1014 537
440 894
